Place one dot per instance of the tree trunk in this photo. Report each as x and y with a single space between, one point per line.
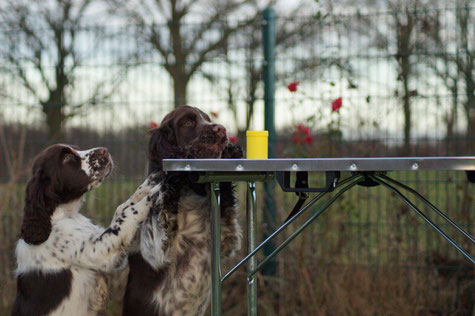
178 68
403 57
407 117
452 114
470 110
180 84
406 100
470 114
466 66
53 109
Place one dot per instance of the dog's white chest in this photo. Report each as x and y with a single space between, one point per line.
88 297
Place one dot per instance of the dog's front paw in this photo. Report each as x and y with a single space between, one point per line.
154 192
142 191
148 187
232 150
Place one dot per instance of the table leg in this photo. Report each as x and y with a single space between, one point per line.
251 245
215 250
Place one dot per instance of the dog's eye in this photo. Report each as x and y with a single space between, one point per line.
189 123
68 157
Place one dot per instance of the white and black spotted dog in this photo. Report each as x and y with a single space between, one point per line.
63 259
170 263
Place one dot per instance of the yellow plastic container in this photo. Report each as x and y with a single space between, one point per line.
257 144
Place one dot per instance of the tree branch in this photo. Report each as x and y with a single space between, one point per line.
204 54
97 97
20 72
154 39
212 20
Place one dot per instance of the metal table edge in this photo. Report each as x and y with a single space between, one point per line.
460 163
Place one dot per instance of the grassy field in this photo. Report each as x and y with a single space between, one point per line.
368 255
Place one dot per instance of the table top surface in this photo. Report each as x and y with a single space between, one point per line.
322 164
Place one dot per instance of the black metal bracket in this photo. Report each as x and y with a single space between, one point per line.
301 182
470 176
367 180
283 177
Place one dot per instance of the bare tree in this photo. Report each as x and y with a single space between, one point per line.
439 61
453 61
185 33
466 64
404 22
247 42
292 34
401 40
41 49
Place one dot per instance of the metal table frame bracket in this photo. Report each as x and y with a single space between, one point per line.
301 185
471 176
368 172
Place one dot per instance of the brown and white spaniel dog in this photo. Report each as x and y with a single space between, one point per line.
62 257
170 262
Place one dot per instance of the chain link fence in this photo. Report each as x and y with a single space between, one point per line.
375 84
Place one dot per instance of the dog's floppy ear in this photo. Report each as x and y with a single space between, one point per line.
162 144
40 202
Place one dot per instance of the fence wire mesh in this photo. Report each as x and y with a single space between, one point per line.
390 83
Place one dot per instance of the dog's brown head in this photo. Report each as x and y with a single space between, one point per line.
60 174
186 132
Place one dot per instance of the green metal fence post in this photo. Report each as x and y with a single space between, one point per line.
251 245
215 250
268 37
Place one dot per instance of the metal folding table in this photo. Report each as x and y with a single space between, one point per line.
363 171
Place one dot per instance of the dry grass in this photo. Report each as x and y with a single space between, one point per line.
334 268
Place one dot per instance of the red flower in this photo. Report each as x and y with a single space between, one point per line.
296 139
308 139
152 124
214 114
337 104
303 129
302 135
292 86
233 139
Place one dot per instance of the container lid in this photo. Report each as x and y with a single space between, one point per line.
257 133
